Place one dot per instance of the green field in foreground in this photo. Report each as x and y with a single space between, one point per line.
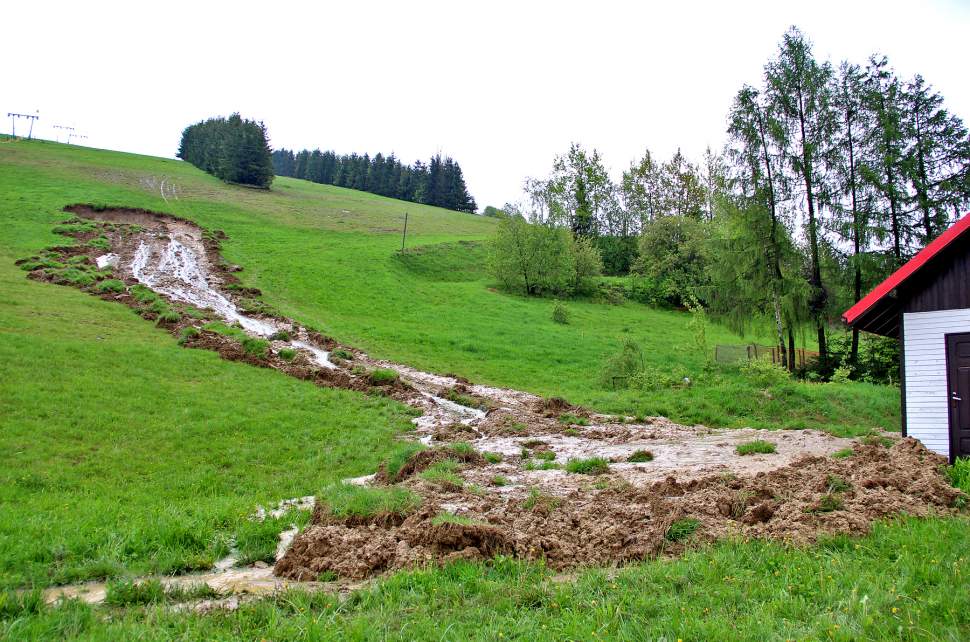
122 453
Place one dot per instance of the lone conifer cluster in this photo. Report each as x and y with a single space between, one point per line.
233 149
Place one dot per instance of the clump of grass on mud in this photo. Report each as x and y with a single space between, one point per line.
590 466
836 484
110 285
132 593
828 503
464 400
758 446
255 347
877 440
681 529
640 456
843 453
444 473
349 500
500 480
187 334
287 354
451 518
537 500
340 353
573 420
383 377
493 458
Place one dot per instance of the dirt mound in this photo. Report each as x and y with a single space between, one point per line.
624 523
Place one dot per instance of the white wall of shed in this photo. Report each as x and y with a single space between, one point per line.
927 397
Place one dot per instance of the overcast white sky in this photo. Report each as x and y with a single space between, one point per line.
501 86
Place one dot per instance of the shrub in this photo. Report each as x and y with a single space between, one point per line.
841 375
590 466
764 373
758 446
110 285
673 257
383 376
640 456
650 379
621 366
560 314
349 500
187 334
681 529
287 354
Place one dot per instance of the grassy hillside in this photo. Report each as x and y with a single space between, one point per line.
328 256
122 453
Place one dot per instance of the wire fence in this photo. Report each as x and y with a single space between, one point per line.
734 354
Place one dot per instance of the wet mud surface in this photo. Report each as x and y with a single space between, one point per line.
512 452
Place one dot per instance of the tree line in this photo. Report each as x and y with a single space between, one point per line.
832 177
439 182
233 149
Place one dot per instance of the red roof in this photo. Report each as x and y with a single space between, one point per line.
906 271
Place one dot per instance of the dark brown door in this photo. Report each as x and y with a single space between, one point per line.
958 380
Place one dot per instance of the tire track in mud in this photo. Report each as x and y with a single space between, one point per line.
540 510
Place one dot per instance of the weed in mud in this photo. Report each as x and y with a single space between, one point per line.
740 503
826 504
358 370
451 518
383 376
443 473
573 420
836 484
571 432
463 400
340 353
327 576
475 489
169 316
539 500
878 440
533 443
843 453
350 500
681 529
545 455
601 484
959 474
462 448
500 480
110 285
287 354
590 466
757 446
187 334
542 465
492 457
640 456
280 335
255 347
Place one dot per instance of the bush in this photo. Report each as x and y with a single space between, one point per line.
681 529
560 314
672 257
650 379
618 368
383 376
764 373
591 466
841 375
758 446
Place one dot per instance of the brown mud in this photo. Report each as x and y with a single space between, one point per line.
511 448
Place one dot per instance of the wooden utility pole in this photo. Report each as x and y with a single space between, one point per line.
405 234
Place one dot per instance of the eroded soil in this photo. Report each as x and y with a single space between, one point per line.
525 502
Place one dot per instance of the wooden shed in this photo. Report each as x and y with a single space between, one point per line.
926 303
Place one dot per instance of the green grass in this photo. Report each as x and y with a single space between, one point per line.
450 518
681 529
122 453
757 446
843 453
640 456
383 376
444 472
590 466
351 500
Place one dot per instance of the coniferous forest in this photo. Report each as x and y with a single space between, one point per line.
233 149
439 182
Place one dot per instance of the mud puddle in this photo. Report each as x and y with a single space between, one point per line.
526 485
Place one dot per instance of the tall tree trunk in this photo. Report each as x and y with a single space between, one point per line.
816 280
856 242
791 350
781 337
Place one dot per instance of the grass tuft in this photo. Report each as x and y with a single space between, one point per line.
591 466
758 446
350 500
681 529
640 456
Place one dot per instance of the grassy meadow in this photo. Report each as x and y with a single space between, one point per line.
122 453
